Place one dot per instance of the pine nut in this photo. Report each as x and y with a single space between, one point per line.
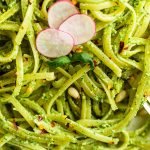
73 93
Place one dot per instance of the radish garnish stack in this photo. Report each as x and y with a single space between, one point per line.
67 28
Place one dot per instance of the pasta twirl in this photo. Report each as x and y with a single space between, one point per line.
36 110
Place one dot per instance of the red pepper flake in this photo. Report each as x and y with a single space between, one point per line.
53 124
95 63
40 118
43 131
67 125
15 125
121 46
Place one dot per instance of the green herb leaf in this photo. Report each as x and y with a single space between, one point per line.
59 62
83 57
77 57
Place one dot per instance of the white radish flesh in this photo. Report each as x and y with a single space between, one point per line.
59 12
80 26
54 43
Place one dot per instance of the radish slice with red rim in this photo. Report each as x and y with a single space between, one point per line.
54 43
80 26
59 12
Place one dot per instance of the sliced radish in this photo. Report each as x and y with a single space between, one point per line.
59 12
80 26
54 43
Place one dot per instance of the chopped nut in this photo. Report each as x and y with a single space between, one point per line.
121 96
73 93
40 126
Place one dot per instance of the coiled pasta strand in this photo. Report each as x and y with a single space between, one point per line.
139 93
37 109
